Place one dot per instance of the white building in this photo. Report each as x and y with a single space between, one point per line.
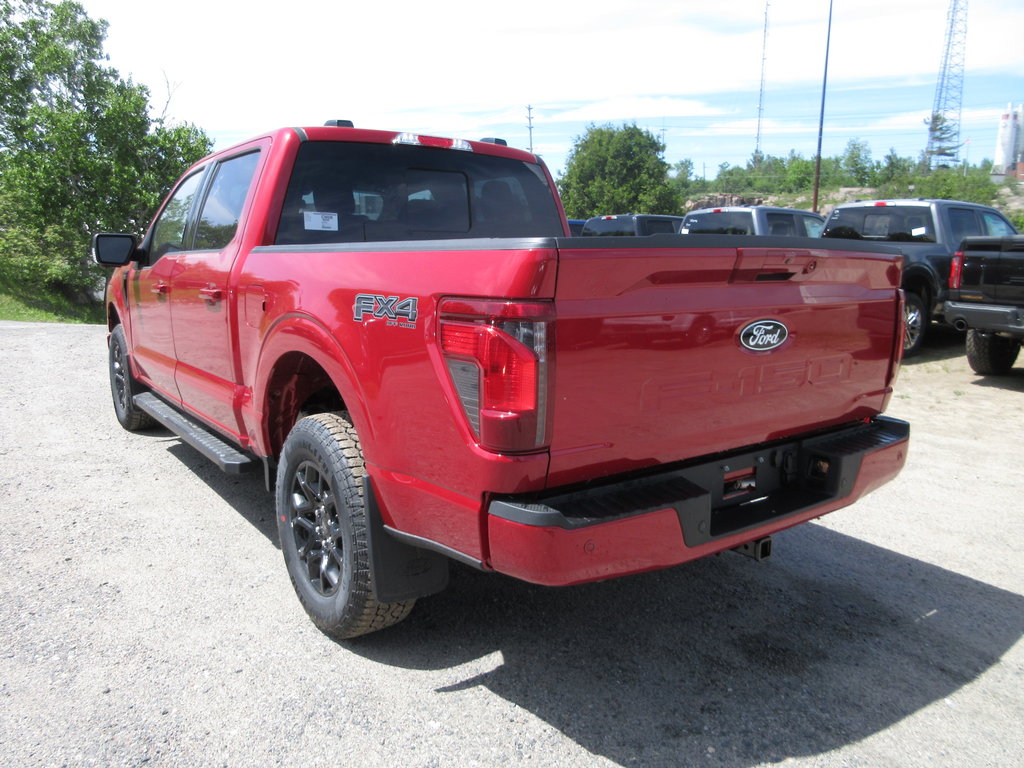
1010 142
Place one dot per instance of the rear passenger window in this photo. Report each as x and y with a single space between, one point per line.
223 205
963 223
782 224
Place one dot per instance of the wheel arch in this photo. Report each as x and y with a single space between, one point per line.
922 283
113 317
303 370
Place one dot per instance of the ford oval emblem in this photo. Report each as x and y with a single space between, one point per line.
764 335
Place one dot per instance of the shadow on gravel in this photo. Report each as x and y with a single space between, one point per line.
829 642
1013 381
246 493
722 661
942 343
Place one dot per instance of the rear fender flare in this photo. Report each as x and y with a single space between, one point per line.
922 281
303 334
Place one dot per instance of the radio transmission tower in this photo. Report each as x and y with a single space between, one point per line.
944 123
760 97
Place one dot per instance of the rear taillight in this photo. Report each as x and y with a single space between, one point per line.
497 356
956 270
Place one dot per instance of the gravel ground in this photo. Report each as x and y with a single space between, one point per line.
146 617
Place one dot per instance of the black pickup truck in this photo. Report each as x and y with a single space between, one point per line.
928 232
986 298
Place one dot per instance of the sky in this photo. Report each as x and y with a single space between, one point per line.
688 72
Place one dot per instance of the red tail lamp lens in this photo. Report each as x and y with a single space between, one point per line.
497 357
956 270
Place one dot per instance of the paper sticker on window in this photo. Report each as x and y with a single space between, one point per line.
319 221
918 231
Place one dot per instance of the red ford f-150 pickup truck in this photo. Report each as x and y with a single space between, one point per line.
399 330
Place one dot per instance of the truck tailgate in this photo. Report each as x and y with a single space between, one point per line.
665 354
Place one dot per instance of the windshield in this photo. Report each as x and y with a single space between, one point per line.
889 223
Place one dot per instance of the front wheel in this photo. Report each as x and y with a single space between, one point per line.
989 354
915 317
322 524
123 386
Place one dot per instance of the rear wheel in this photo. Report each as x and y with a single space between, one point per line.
323 528
989 354
123 386
915 316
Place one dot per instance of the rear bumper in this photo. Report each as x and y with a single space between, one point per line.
691 511
985 317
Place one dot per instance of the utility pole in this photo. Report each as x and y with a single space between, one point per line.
529 123
944 124
821 118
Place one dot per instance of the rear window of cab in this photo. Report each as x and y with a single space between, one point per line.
351 192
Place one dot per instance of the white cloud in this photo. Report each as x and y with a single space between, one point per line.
462 68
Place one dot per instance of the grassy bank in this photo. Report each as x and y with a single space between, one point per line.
33 305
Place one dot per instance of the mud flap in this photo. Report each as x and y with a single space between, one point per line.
399 571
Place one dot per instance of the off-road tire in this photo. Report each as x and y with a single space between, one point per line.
991 355
123 386
321 521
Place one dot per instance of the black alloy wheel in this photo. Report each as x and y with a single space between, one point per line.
321 521
123 386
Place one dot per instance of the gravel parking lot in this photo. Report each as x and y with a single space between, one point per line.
146 617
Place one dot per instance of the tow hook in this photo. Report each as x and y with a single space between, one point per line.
759 549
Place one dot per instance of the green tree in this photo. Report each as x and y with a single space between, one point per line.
734 179
856 163
971 184
942 141
1016 218
617 170
79 152
684 182
799 176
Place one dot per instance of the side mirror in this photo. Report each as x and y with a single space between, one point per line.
110 250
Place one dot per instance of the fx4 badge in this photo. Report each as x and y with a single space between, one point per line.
764 335
394 309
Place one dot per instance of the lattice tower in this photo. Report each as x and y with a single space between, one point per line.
944 125
760 96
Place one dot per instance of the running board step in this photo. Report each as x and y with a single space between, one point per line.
216 449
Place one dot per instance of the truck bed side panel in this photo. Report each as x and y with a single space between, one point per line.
424 462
